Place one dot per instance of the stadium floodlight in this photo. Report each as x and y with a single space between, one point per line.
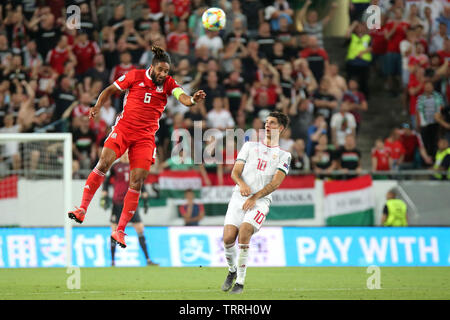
43 159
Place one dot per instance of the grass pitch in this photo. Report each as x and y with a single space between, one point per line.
286 283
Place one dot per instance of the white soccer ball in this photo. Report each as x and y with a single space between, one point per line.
214 19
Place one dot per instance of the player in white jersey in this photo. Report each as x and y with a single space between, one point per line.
259 170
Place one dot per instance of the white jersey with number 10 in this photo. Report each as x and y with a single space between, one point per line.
261 164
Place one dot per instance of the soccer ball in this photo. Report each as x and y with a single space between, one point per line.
214 19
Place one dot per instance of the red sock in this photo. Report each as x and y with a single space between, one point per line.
94 181
130 205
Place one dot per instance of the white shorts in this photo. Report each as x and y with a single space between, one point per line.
236 215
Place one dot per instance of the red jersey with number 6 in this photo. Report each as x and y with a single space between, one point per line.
144 102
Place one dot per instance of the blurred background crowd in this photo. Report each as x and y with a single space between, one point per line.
271 56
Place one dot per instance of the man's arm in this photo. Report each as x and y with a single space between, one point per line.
103 97
187 100
268 189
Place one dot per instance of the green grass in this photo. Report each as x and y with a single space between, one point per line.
204 283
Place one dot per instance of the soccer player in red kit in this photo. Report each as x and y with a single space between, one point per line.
135 128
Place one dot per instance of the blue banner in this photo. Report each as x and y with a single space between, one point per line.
45 247
381 246
192 246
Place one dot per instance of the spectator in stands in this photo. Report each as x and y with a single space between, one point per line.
212 41
214 89
45 31
85 51
192 213
322 157
10 153
443 118
81 110
58 56
300 161
356 102
437 39
348 157
265 39
379 46
279 56
219 117
178 35
84 148
415 89
444 54
301 115
236 93
286 142
357 9
442 159
317 58
338 85
381 159
412 16
235 45
395 32
415 151
305 82
428 104
342 124
235 12
434 5
315 131
395 148
108 113
407 49
265 92
324 102
359 56
278 11
444 17
98 71
311 23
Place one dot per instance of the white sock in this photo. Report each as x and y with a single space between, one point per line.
242 262
230 255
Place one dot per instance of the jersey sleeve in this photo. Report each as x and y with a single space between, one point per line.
243 153
171 86
126 81
285 162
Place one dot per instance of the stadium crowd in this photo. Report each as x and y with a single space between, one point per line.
270 56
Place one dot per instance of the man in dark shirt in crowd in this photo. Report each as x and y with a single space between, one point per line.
191 212
348 157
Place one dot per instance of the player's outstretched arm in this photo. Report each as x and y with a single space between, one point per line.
268 189
102 98
188 100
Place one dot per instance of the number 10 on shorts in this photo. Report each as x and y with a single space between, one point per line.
259 218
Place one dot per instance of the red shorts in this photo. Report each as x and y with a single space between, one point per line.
141 149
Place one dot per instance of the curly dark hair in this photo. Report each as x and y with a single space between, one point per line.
159 55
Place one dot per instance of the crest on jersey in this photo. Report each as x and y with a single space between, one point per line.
121 78
141 84
275 156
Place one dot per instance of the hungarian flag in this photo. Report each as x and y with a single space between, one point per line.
294 199
349 202
174 183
